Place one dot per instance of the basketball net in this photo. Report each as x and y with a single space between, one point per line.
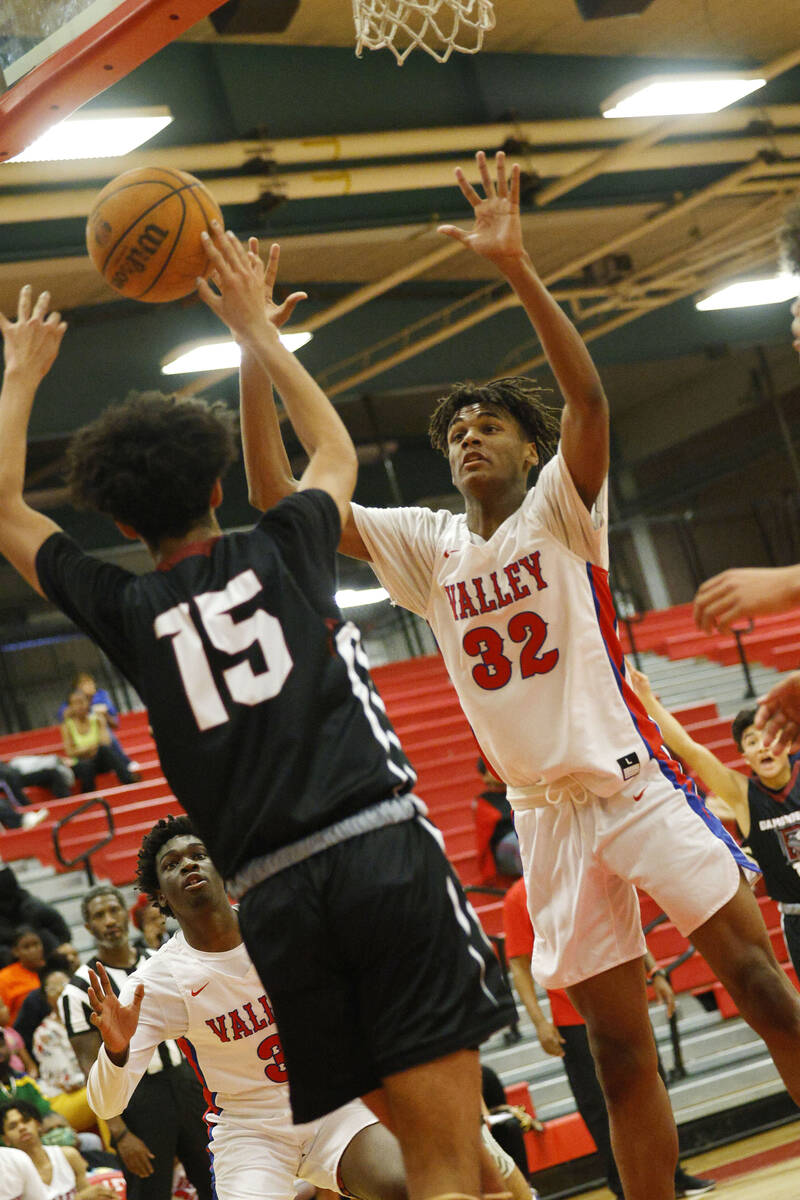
437 26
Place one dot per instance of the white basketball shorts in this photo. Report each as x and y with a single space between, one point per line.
585 855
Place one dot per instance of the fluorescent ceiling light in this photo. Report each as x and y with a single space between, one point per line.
749 292
355 598
97 133
219 355
674 95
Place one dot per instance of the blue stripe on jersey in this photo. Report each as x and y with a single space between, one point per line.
655 750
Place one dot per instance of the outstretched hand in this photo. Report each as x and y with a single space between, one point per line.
115 1022
497 231
31 343
245 285
778 715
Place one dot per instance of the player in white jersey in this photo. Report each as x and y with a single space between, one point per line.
516 592
202 989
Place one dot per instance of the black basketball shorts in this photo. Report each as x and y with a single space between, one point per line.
373 961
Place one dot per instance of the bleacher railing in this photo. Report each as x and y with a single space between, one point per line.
84 858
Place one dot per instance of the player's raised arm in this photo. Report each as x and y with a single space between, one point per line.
30 346
497 236
240 304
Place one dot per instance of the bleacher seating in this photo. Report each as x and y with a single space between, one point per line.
774 640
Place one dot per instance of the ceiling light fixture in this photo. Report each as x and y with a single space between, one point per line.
220 354
677 95
97 133
749 292
357 597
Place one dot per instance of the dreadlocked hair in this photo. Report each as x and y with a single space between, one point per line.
162 832
151 462
515 394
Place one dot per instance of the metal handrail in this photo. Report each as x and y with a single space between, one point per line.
85 855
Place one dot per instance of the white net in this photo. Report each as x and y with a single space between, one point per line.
437 26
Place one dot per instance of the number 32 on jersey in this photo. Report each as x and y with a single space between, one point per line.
495 667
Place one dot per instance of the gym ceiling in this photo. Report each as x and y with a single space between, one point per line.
628 240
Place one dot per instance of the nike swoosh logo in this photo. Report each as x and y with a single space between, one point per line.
641 793
205 985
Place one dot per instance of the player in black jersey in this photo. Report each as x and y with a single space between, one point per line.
766 806
271 733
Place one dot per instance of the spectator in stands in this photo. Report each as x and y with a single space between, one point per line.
99 702
20 1059
87 742
35 1006
564 1036
18 1178
20 907
151 923
167 1106
498 847
62 1169
765 806
22 974
38 770
14 1086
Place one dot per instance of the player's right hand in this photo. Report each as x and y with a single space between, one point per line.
115 1022
31 342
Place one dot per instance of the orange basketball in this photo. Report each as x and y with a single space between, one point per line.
143 233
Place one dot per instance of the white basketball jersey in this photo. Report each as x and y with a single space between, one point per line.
217 1009
526 626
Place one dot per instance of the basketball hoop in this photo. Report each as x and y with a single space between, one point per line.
437 26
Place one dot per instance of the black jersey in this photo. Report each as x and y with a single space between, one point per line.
267 723
775 835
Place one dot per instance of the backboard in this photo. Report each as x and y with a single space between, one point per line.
57 54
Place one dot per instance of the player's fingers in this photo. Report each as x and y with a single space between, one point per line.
5 324
502 182
53 318
453 231
237 249
486 176
24 303
271 273
287 308
515 184
467 190
102 975
215 249
41 306
208 296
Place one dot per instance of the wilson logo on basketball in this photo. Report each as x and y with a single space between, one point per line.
136 259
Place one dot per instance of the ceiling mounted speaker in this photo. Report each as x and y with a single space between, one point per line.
254 16
592 10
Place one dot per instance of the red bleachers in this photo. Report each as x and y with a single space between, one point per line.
773 641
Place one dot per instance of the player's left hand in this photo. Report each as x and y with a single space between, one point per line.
278 314
31 343
778 715
664 993
115 1022
743 592
497 231
244 299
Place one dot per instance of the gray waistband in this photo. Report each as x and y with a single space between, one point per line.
791 910
387 812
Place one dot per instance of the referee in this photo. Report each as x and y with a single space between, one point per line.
164 1117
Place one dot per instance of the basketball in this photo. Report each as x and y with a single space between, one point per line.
143 233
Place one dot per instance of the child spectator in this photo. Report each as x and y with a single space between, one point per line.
21 976
61 1169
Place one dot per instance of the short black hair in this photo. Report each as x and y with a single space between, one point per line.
21 1106
100 889
55 963
152 461
162 832
515 394
21 931
742 721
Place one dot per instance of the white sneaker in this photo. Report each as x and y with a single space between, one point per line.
35 817
133 765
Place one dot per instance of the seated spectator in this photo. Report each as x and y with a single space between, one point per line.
20 907
20 1056
14 1087
99 702
35 1006
151 923
87 742
22 974
61 1169
498 847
